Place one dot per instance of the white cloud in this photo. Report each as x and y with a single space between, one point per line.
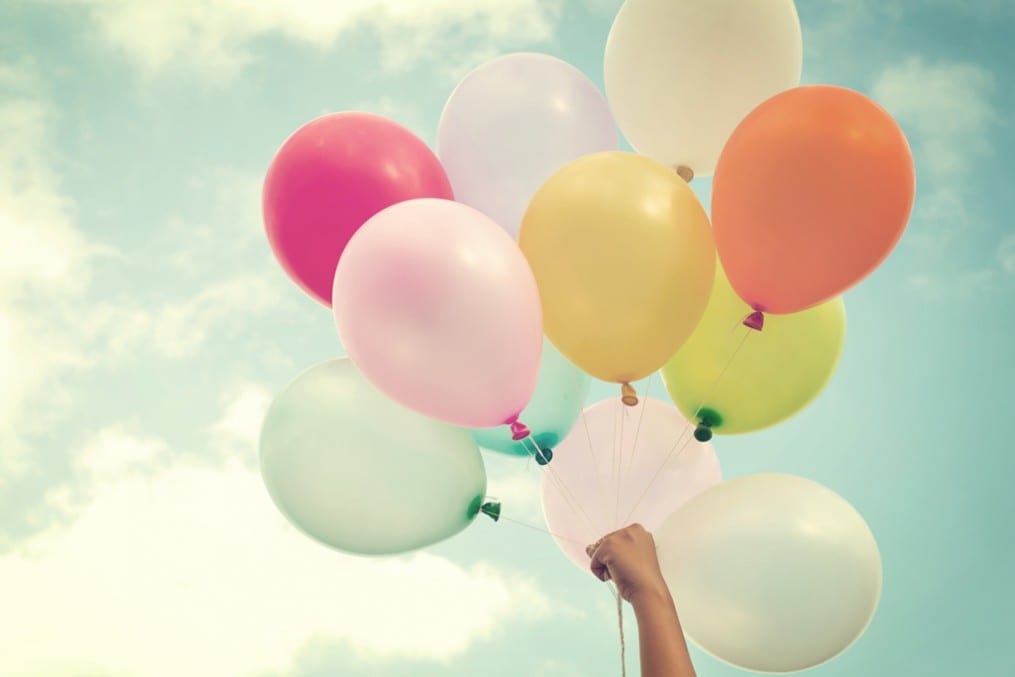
514 481
947 107
955 287
214 37
556 668
1006 253
192 571
180 327
50 323
43 262
237 433
949 113
114 452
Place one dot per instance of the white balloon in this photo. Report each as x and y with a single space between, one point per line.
771 572
681 74
513 122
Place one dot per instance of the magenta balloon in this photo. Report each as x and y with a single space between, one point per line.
439 309
589 490
332 175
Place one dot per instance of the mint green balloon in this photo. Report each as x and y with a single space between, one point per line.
551 413
358 472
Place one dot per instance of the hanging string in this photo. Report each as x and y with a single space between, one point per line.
711 389
588 434
684 437
637 430
569 497
614 479
595 458
620 627
542 530
620 466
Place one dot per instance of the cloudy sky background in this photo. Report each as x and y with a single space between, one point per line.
144 327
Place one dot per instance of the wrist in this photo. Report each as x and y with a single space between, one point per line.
652 597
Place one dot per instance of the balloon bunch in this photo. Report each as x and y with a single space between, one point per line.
478 288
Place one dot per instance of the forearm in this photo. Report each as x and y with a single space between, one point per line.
663 649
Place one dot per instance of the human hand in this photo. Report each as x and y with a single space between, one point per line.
628 558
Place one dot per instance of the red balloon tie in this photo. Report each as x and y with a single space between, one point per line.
519 431
755 320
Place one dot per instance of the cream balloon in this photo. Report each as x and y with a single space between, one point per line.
771 572
680 74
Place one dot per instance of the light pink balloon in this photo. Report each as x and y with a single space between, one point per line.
438 308
639 469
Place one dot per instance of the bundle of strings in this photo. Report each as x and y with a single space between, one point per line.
620 626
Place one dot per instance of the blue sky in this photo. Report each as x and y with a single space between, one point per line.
144 327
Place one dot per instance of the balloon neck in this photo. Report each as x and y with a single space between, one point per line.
707 419
491 509
628 395
543 456
519 431
685 172
755 320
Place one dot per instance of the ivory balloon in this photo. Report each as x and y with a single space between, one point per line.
680 74
514 121
773 572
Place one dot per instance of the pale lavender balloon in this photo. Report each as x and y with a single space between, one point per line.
589 490
438 308
513 122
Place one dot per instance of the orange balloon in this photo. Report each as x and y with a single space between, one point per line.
810 195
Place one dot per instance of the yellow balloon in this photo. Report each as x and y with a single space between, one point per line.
735 383
623 256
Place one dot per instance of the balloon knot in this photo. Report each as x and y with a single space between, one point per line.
519 431
707 419
755 320
628 395
544 456
703 433
685 172
491 509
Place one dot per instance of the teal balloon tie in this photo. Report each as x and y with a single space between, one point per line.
491 509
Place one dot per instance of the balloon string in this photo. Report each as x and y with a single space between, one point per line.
569 497
620 626
620 462
691 425
588 435
688 429
542 530
617 407
637 430
729 363
595 458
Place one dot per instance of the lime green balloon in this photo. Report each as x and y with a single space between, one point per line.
773 373
358 472
555 406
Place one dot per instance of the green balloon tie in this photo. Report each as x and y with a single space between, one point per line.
544 456
491 509
707 419
703 433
